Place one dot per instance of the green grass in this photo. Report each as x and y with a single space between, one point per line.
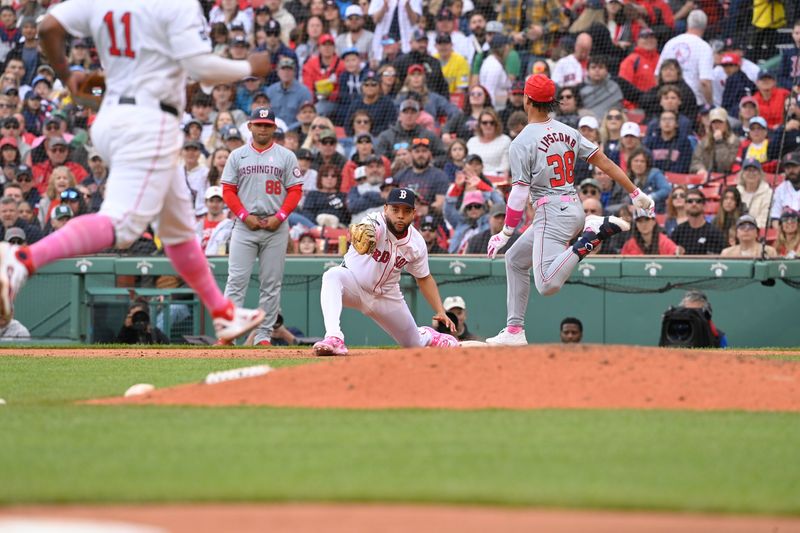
54 451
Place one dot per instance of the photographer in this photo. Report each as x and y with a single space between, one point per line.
689 325
137 328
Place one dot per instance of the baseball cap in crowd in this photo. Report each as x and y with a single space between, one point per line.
15 233
499 41
420 142
388 182
273 27
23 170
214 191
472 198
305 153
792 158
718 113
238 26
413 104
371 75
748 100
45 68
261 9
62 211
443 38
789 214
540 88
330 3
11 123
387 41
427 223
353 11
11 90
751 163
349 51
191 145
589 122
416 68
497 210
39 79
240 41
286 62
32 95
8 141
325 38
262 115
630 128
590 182
402 197
307 103
746 219
58 141
79 43
419 35
730 58
363 136
454 301
192 121
278 135
646 32
327 134
231 132
445 14
758 120
373 158
471 158
360 173
494 26
518 87
765 74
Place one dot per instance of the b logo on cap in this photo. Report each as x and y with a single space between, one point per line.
403 194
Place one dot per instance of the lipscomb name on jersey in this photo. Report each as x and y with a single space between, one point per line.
383 257
262 170
556 137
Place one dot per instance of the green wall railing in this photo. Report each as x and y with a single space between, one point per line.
620 300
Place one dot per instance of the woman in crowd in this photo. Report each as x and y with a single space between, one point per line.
747 244
610 133
318 125
306 245
79 55
61 179
328 199
308 39
26 214
214 141
788 242
389 80
491 144
670 73
216 165
456 155
649 178
716 152
219 39
647 238
433 103
676 208
229 13
730 209
755 192
9 153
464 125
360 124
569 101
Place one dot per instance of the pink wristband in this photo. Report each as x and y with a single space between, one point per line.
512 217
243 214
280 215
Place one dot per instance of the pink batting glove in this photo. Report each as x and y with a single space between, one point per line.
497 241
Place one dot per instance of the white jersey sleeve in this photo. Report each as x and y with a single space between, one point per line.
188 30
73 16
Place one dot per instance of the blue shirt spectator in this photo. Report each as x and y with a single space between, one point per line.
287 95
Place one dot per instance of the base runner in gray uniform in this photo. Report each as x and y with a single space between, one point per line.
261 185
542 159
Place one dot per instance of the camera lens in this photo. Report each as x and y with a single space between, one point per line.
679 331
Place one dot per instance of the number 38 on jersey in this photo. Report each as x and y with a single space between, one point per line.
563 168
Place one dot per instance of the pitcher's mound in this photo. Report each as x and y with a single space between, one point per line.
532 377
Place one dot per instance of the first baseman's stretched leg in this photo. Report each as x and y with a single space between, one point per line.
553 259
391 313
339 289
519 260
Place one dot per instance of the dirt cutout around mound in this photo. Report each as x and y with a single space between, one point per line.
532 377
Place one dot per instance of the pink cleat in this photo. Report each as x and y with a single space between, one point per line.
440 340
330 346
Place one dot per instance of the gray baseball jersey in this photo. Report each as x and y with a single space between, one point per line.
262 177
543 157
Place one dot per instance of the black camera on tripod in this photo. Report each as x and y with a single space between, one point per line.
683 327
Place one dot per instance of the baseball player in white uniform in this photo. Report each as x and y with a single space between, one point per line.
147 48
261 184
370 283
542 159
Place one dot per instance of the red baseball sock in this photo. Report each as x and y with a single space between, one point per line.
85 234
190 263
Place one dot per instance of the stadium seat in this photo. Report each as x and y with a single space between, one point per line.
635 115
711 191
457 99
774 179
661 219
340 133
643 130
732 179
684 179
712 206
772 235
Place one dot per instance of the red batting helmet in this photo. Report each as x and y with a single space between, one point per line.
540 88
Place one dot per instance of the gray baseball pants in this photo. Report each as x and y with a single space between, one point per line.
270 250
544 247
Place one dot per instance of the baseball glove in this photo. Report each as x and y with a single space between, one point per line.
363 238
91 91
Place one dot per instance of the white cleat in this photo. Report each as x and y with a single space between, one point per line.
13 275
605 227
243 321
506 338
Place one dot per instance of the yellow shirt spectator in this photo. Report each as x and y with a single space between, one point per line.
456 72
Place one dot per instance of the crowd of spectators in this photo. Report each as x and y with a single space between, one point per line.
697 101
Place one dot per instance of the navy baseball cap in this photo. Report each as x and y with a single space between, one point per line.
262 115
402 197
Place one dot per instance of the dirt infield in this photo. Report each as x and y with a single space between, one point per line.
533 377
296 518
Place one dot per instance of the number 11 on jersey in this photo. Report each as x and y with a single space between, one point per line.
113 50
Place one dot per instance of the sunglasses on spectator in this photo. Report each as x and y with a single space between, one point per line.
488 123
365 141
679 195
410 110
329 142
25 178
52 127
590 191
695 201
16 240
370 84
7 106
70 195
474 206
273 34
614 117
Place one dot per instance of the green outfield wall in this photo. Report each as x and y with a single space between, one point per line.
619 300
